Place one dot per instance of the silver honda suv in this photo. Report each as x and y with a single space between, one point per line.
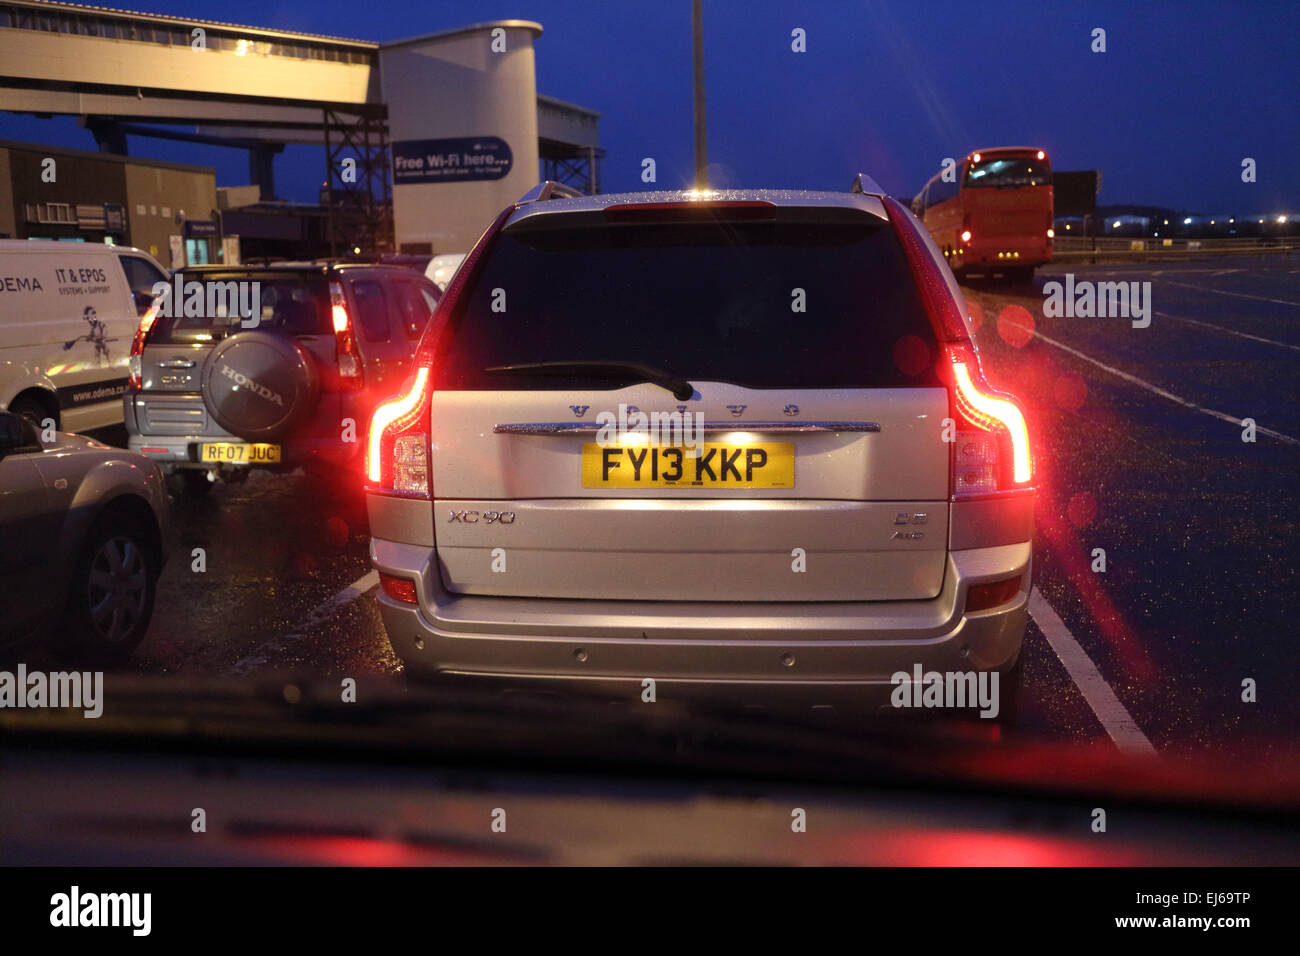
734 443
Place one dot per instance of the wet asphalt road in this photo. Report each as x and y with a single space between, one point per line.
1198 527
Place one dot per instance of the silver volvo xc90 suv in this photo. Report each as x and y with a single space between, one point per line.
736 442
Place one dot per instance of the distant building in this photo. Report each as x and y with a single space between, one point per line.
167 209
424 139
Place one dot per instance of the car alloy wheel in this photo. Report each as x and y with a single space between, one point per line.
117 588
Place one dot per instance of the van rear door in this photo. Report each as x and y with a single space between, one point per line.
66 321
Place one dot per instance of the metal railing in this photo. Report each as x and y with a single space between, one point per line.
1104 248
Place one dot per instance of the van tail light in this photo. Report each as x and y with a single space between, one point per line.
345 341
398 453
135 363
991 446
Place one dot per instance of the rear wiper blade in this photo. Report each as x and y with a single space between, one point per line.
681 389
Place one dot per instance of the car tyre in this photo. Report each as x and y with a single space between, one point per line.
111 597
32 410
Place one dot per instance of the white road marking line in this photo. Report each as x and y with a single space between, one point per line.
261 654
1115 718
1220 328
1142 383
1238 295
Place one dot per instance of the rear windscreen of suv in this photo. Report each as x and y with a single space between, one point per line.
707 301
295 305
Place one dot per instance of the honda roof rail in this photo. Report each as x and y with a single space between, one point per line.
862 183
550 190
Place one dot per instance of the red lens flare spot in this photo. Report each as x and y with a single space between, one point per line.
1016 326
1081 509
1069 391
911 355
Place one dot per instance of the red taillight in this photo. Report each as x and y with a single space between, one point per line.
345 343
965 235
135 363
397 452
992 442
397 446
984 596
399 589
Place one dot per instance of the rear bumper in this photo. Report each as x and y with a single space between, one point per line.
186 426
753 652
173 452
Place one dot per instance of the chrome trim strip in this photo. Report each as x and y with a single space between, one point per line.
590 428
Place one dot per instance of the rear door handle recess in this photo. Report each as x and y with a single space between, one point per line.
176 363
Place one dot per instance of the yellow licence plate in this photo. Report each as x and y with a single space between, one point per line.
718 465
240 453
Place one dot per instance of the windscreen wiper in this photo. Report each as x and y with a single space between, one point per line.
681 389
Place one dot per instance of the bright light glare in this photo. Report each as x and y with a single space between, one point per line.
1006 413
386 414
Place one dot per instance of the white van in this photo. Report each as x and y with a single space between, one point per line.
68 312
441 268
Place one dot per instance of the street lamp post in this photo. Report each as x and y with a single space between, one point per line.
701 144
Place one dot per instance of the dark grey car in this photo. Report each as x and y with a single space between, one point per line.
213 393
82 532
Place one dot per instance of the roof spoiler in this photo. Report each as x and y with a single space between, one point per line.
550 190
862 183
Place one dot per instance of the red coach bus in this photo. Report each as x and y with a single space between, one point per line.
996 214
